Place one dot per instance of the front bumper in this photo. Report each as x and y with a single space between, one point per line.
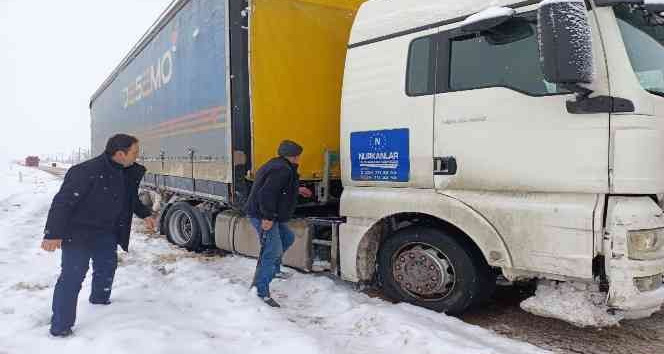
624 294
626 214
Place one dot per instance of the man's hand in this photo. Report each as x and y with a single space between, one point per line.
266 225
150 223
51 245
305 192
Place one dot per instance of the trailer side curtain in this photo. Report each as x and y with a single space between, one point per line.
297 57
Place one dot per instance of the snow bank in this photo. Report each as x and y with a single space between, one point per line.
166 300
573 303
16 180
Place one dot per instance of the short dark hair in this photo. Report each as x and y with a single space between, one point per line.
120 142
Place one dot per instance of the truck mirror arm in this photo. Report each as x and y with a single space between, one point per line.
584 104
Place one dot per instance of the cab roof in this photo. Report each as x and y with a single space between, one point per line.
382 18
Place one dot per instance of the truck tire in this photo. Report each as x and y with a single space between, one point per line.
487 280
429 268
185 226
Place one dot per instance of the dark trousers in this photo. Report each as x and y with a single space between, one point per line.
76 255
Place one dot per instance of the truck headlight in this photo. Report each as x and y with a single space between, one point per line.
646 244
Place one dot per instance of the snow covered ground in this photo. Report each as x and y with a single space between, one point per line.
166 300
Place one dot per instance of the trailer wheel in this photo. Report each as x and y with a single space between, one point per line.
185 226
429 268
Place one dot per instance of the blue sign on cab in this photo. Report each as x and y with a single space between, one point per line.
380 155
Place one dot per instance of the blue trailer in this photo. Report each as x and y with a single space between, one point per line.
208 112
172 92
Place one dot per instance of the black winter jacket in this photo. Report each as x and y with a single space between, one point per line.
97 196
274 193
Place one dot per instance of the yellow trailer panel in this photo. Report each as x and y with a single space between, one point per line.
297 56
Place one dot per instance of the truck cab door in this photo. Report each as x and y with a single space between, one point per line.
504 127
503 134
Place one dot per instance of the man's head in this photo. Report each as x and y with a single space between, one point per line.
123 149
290 150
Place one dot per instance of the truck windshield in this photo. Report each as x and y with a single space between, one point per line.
644 41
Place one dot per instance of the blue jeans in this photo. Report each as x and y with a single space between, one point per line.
274 242
76 255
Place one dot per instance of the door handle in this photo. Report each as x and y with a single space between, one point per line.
444 166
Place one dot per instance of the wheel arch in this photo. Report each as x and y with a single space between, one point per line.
405 207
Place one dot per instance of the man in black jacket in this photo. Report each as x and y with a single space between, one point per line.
89 217
270 205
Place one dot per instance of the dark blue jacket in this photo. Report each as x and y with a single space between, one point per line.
274 193
97 196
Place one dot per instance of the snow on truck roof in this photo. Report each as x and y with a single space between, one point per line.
377 19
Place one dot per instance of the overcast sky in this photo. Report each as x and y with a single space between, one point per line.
53 56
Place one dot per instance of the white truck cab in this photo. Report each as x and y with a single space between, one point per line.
521 138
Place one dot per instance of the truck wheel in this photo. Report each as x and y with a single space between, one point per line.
184 226
487 281
429 268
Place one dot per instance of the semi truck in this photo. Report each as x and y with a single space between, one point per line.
447 143
31 161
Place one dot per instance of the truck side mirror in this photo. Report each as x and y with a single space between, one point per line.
655 6
565 42
656 12
566 56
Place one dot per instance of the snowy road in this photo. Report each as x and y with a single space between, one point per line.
166 300
503 315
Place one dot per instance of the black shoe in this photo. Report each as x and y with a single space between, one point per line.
105 302
62 334
270 301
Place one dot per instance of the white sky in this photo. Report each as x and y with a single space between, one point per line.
53 56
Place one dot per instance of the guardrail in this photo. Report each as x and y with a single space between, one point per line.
56 171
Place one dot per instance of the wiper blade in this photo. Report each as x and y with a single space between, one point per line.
658 93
